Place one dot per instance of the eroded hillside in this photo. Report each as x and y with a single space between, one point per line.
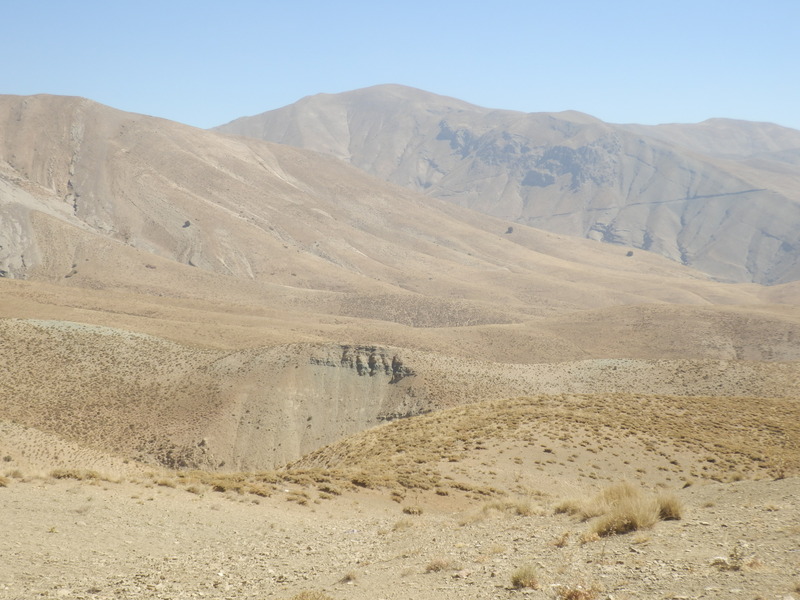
720 196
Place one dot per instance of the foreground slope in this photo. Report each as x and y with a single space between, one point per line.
440 506
720 196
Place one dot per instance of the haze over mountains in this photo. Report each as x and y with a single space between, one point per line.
721 196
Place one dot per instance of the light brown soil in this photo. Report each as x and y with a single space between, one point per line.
65 539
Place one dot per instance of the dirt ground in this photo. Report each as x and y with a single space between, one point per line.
69 539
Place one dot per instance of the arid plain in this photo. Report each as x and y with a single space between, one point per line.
236 369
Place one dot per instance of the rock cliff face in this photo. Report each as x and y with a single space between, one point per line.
367 360
720 196
281 403
251 409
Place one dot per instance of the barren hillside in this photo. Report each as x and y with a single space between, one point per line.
238 369
720 196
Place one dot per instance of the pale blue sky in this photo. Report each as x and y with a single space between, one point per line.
205 63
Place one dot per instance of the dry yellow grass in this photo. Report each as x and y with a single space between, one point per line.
525 576
621 508
439 564
670 508
749 433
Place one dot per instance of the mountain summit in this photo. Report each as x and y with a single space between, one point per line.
721 196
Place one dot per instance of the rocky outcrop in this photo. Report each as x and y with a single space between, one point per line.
367 361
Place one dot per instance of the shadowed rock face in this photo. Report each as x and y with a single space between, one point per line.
721 196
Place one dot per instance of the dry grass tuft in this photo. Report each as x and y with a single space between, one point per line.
622 508
4 481
670 508
439 564
349 577
79 474
562 540
412 510
525 577
522 507
581 508
630 514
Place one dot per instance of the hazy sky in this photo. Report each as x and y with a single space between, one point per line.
205 63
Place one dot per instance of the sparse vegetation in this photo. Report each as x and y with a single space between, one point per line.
439 564
620 509
271 344
525 577
79 474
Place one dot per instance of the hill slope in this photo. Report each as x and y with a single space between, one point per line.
261 299
89 192
720 196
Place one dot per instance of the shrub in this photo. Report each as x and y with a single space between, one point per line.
669 507
439 564
525 577
622 508
627 514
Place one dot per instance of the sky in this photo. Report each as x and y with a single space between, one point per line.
205 63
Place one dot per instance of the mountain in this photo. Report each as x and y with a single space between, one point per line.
95 197
229 284
720 196
233 365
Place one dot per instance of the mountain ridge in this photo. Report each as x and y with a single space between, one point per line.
699 194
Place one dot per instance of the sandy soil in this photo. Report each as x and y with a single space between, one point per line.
67 539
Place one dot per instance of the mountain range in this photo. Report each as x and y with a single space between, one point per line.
720 196
251 250
234 367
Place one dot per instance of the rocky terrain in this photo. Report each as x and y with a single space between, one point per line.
720 196
381 530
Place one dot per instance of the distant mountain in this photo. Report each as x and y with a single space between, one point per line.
95 197
722 196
